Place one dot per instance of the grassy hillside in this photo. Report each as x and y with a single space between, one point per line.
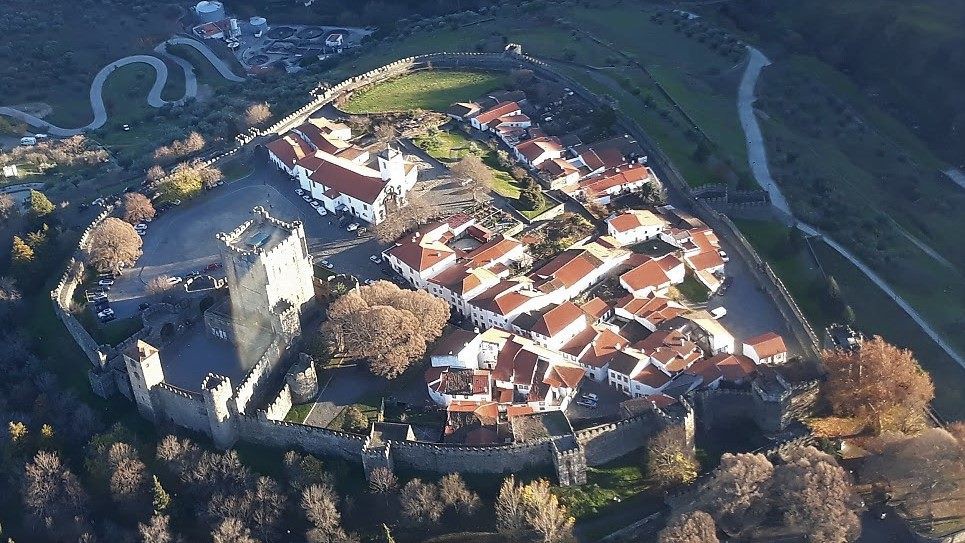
906 55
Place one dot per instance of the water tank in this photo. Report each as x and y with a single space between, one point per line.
258 24
209 11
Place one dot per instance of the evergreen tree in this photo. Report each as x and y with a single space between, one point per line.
40 205
531 198
161 498
20 252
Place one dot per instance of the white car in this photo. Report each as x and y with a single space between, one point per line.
591 397
106 313
299 192
314 203
321 211
718 312
326 264
724 257
174 280
306 197
141 225
105 282
376 259
352 227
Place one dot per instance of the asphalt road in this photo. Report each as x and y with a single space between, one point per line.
154 95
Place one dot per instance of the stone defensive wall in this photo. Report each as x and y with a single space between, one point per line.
227 415
63 293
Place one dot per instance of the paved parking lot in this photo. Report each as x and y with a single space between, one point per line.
182 239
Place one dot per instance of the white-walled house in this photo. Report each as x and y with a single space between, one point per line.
535 151
767 348
634 225
483 120
287 150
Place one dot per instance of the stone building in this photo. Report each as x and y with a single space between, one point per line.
269 274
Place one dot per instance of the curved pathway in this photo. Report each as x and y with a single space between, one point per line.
757 156
154 95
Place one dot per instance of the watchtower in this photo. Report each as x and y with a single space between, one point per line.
144 371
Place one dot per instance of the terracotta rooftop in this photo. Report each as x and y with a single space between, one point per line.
289 149
359 182
551 320
629 220
767 344
648 274
565 270
497 111
615 178
534 148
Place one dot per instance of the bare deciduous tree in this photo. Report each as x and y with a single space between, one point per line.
137 207
130 485
154 173
924 474
471 170
737 494
232 530
8 206
257 114
320 504
157 530
114 242
420 502
693 527
878 383
814 495
669 460
545 514
510 506
455 494
382 481
55 502
414 214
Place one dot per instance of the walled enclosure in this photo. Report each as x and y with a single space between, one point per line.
224 414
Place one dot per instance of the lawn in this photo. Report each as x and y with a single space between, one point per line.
877 314
126 90
206 73
298 413
235 169
796 268
433 90
693 290
451 145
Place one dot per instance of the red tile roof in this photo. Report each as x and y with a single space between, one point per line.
767 344
706 260
553 321
648 274
497 111
565 270
493 250
289 149
534 148
346 177
595 308
615 178
652 377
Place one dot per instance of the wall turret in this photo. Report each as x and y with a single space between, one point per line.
216 391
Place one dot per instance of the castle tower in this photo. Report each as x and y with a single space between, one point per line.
216 391
392 166
268 266
144 371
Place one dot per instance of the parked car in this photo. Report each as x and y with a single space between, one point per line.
723 256
718 312
321 211
174 280
306 197
326 264
105 282
586 403
299 192
313 203
376 259
143 306
591 397
108 312
142 225
352 227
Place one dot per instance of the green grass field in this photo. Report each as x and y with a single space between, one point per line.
876 314
797 270
433 90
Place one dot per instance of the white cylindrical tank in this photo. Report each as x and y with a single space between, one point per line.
258 24
209 11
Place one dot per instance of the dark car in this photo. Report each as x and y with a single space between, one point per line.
144 306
